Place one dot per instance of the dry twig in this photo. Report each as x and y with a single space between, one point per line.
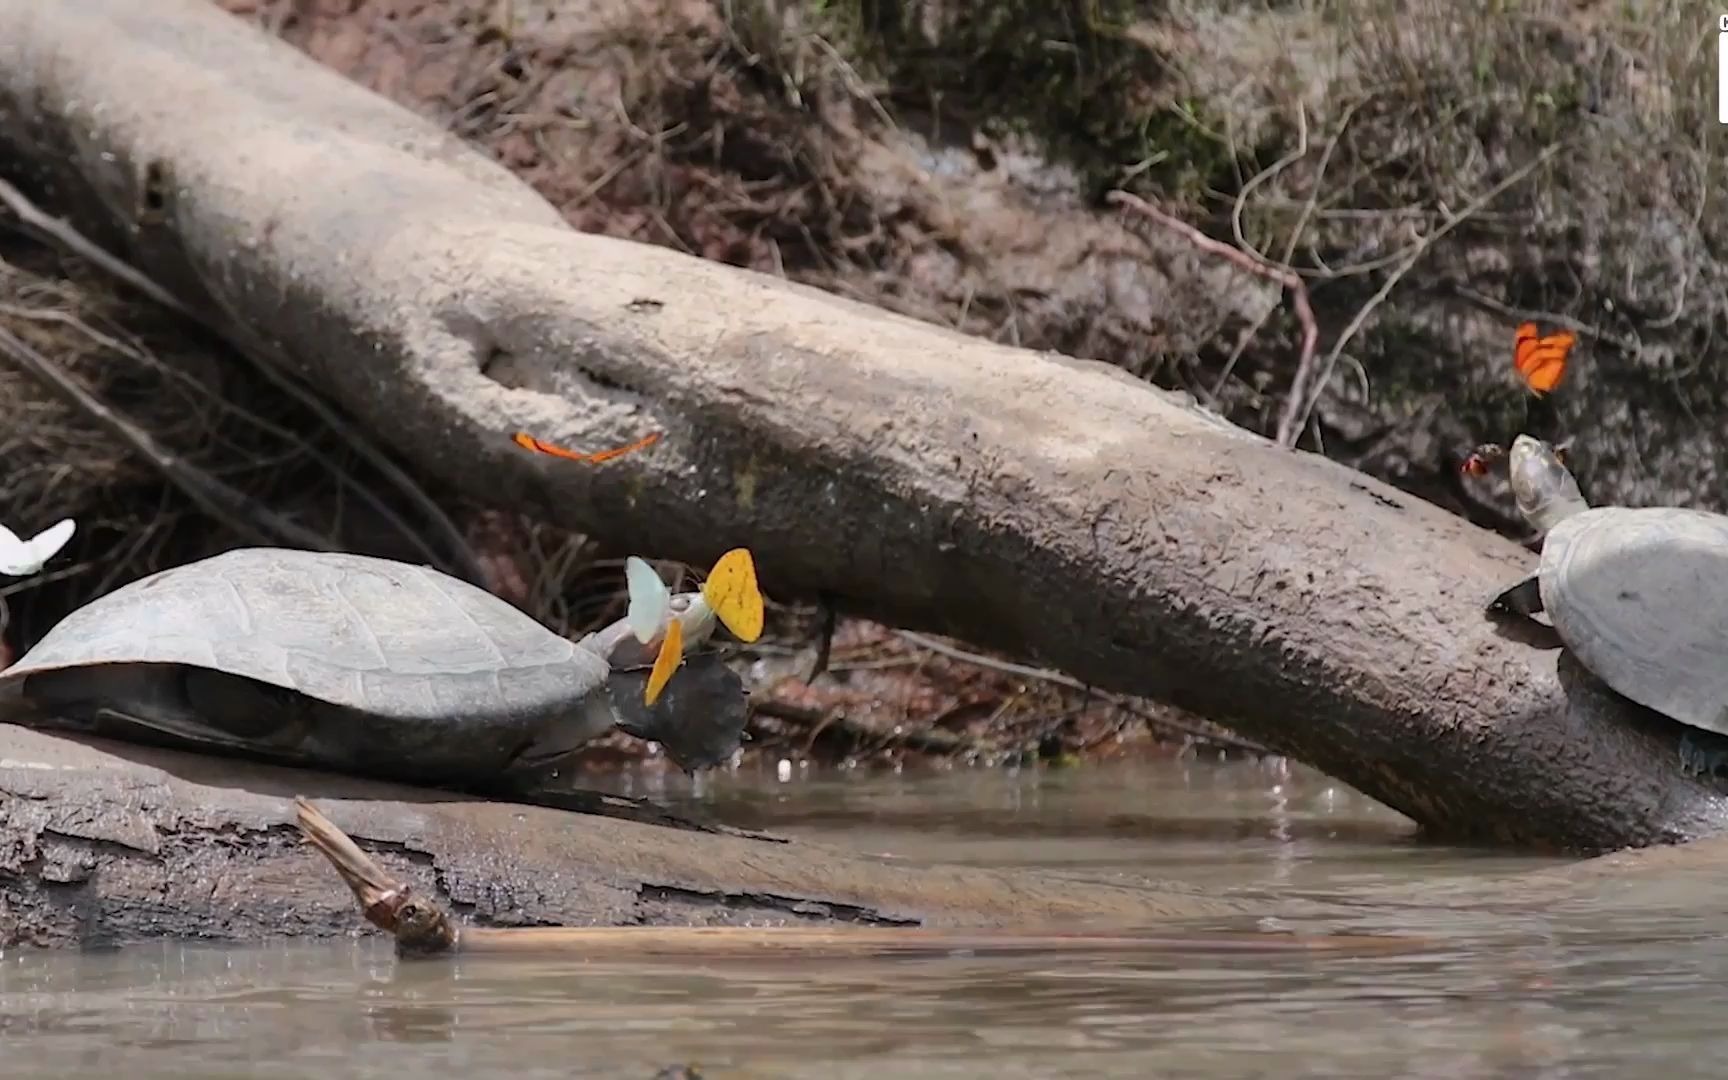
59 232
1059 679
1291 281
1305 391
226 504
833 724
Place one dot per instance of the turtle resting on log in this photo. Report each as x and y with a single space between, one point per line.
376 668
1638 595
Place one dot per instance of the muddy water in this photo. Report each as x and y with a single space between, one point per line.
1603 988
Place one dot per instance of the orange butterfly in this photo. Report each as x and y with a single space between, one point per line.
529 442
1541 360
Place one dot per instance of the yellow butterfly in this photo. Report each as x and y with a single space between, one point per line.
671 656
730 593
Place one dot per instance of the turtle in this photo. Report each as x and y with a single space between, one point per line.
364 665
1638 595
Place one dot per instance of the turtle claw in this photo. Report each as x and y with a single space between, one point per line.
1699 759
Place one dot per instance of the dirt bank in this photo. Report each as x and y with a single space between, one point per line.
947 161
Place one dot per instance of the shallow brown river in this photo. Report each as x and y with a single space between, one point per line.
1611 987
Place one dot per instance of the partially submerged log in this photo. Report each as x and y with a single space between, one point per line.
1021 501
423 927
105 843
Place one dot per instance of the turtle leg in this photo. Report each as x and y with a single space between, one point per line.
1702 754
1524 598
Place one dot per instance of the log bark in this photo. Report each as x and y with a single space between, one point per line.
103 843
1022 501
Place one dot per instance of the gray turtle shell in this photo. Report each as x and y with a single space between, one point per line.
459 669
1640 597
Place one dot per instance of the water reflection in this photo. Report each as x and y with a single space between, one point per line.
1604 985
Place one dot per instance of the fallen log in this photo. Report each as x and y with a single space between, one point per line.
1027 502
422 927
104 843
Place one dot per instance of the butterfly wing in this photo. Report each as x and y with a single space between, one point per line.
732 593
608 455
1541 361
540 446
670 656
14 554
19 558
649 599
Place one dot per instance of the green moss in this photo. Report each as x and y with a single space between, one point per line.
1068 73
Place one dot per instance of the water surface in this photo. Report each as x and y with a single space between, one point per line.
1606 986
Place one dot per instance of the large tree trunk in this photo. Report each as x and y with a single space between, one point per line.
1018 500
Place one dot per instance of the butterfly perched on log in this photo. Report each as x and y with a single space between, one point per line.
540 446
1541 361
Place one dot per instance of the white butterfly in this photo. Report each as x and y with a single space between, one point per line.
650 600
21 558
652 606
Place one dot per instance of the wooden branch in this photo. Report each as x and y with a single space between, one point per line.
1026 503
1306 394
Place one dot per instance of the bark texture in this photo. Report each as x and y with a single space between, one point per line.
103 843
1020 500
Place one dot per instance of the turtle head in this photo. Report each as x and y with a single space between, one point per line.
1545 489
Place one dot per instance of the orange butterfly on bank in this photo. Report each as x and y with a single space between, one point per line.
1541 361
540 446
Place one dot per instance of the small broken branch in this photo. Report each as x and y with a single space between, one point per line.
1289 279
56 231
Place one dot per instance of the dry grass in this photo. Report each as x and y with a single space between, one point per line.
1431 106
60 464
